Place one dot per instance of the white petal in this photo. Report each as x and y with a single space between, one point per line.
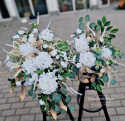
24 21
79 31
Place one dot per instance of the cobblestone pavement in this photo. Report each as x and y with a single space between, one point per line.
13 109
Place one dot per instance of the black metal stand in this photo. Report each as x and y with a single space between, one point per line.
68 112
82 89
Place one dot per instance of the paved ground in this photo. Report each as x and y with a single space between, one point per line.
13 109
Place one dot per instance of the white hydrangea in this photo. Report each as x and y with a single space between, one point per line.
54 52
26 48
21 32
18 83
43 60
41 102
29 66
87 59
46 35
45 46
47 83
78 65
81 44
106 52
64 64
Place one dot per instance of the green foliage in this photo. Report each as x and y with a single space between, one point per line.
97 27
87 17
56 108
92 25
101 82
57 98
102 28
114 30
93 85
62 111
75 69
30 92
68 99
39 72
99 22
72 108
105 78
109 28
63 91
70 75
104 19
91 44
113 81
34 96
63 86
107 23
111 35
98 87
81 19
81 26
25 76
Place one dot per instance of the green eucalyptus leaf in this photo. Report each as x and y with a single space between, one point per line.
75 69
71 75
114 30
72 108
105 78
93 85
107 23
98 28
111 35
81 19
56 108
103 19
34 95
101 82
81 26
63 91
99 22
63 86
92 25
62 111
68 99
109 28
102 28
87 17
99 88
113 81
30 92
57 98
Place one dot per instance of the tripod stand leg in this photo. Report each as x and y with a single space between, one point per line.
82 91
44 116
70 114
104 106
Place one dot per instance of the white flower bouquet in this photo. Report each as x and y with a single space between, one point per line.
93 52
46 63
41 61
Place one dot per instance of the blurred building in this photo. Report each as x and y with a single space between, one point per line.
13 9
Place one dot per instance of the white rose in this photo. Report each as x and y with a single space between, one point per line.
45 46
78 65
41 102
64 64
18 83
102 71
54 53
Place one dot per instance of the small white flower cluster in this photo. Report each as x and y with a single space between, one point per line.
106 52
81 44
47 83
26 48
46 35
87 59
42 61
29 66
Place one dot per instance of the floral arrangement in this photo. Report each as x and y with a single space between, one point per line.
46 63
95 56
41 61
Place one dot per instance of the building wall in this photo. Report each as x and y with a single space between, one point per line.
11 8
